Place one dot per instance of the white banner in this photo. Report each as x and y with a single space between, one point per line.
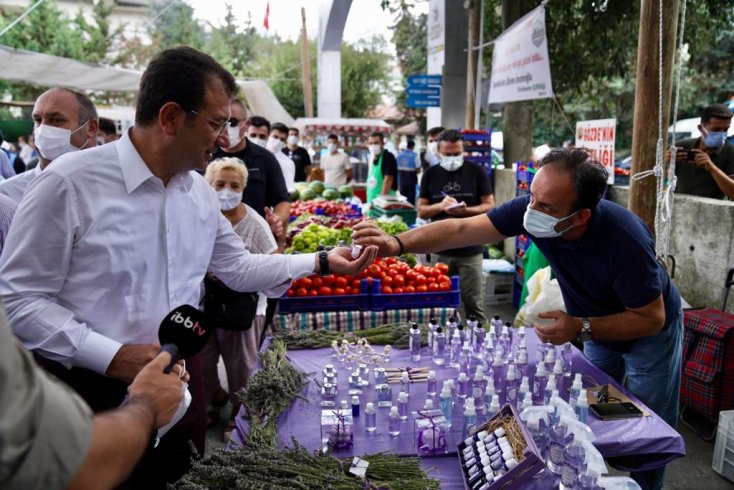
520 66
598 136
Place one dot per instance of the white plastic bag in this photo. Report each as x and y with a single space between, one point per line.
545 295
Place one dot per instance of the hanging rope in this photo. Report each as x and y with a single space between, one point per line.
664 194
21 17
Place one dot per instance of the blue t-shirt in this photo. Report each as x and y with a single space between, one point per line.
407 161
610 268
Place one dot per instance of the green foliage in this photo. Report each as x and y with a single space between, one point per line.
364 75
174 25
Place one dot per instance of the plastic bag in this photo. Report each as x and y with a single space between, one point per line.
544 294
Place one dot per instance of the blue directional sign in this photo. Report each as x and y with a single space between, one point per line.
416 80
423 91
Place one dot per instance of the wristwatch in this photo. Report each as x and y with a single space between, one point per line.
324 263
585 333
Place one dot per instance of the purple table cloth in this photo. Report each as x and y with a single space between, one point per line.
646 442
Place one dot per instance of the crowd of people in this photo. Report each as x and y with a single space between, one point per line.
109 232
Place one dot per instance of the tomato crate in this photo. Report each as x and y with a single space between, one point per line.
344 302
380 301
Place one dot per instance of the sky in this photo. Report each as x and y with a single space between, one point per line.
365 19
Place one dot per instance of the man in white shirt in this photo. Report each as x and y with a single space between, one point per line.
336 165
63 121
132 233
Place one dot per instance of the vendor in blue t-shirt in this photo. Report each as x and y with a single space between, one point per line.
620 301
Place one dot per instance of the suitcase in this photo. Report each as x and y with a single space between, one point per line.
707 381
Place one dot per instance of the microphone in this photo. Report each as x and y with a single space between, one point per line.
183 333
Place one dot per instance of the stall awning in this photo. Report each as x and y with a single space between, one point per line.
341 125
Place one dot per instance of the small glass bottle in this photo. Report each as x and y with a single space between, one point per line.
380 376
470 418
465 358
539 384
384 395
511 386
355 382
405 383
328 395
455 349
439 347
446 402
393 427
550 387
450 327
479 334
355 406
431 383
582 407
463 385
403 405
414 343
432 326
370 417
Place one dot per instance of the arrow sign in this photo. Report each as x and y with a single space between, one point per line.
422 101
426 92
424 80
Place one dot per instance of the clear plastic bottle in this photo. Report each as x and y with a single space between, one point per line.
414 343
496 323
498 370
505 341
550 358
384 395
450 327
470 418
582 407
560 379
465 358
522 361
463 386
439 347
431 383
550 387
526 401
567 357
446 402
559 438
471 323
370 417
462 332
488 353
480 380
479 334
539 431
432 326
575 390
510 332
403 405
489 394
539 384
455 349
393 427
588 480
511 386
524 388
573 464
405 383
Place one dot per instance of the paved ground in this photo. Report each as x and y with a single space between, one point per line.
693 472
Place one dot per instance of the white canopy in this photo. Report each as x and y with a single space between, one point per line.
341 125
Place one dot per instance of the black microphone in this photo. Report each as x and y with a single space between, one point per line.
183 333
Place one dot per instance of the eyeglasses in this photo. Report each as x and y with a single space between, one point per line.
219 127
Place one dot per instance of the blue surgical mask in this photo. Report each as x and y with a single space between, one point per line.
543 225
452 163
714 139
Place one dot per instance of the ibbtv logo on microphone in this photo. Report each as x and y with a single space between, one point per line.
186 321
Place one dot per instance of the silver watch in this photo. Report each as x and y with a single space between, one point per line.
585 333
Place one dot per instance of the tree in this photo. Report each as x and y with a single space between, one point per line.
364 75
233 46
174 25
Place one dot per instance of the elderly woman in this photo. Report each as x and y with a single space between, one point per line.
239 317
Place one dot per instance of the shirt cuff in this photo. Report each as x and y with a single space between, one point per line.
301 265
96 352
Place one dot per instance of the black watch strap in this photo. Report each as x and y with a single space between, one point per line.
324 263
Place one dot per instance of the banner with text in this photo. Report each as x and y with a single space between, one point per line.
598 137
520 67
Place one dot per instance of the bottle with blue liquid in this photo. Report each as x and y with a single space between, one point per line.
446 402
582 407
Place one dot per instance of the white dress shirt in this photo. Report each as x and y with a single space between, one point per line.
106 251
15 187
289 171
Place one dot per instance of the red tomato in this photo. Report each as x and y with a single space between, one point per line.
391 260
409 289
373 270
420 280
442 267
386 290
356 283
324 291
421 289
317 282
340 282
397 291
444 286
387 281
339 291
291 292
398 281
305 282
354 291
433 287
328 280
301 292
411 275
392 272
313 292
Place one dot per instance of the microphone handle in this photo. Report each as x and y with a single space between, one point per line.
173 350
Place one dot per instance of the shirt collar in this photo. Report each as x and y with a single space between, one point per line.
591 236
134 169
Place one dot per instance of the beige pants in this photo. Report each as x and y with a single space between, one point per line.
239 351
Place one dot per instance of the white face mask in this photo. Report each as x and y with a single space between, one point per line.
52 142
292 140
433 146
543 225
234 136
258 141
452 163
228 199
331 147
375 149
274 144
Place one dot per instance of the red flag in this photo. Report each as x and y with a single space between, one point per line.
266 24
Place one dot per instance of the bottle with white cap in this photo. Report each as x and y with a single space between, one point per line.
524 388
463 385
549 388
431 384
522 361
455 349
560 378
470 418
370 417
550 358
575 389
511 386
582 407
498 369
446 402
489 393
540 382
402 405
393 427
405 383
527 401
428 404
494 408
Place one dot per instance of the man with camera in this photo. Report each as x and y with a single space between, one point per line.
705 165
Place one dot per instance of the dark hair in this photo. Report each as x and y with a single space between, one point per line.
411 144
378 134
107 126
436 131
259 121
332 136
295 130
718 111
179 75
279 127
589 175
450 135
